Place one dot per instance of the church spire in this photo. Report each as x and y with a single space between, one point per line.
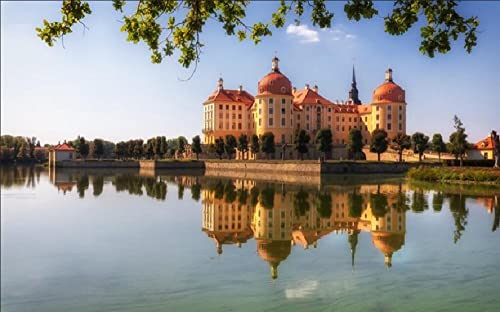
353 93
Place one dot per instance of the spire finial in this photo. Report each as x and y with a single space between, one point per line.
275 64
220 83
353 75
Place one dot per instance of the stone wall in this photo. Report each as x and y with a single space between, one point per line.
303 167
97 164
153 164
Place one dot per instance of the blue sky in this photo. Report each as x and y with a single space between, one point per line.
99 85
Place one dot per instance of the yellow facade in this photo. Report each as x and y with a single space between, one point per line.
282 110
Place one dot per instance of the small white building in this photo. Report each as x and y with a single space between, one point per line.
61 152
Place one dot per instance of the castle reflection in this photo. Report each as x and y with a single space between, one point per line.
279 216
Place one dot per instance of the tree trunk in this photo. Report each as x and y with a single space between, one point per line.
400 156
439 156
197 156
461 161
419 157
378 157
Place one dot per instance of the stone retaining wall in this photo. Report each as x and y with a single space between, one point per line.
155 165
97 164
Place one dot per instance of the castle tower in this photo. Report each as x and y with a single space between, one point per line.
353 93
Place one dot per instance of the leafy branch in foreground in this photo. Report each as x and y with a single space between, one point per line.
169 26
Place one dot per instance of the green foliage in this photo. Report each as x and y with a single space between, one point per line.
83 148
438 145
230 145
324 205
254 144
450 174
420 143
355 204
458 140
254 196
243 144
378 202
460 213
355 145
325 141
419 201
301 141
82 184
399 143
98 148
182 142
196 146
230 192
219 147
267 197
196 192
174 27
301 203
268 143
97 184
379 142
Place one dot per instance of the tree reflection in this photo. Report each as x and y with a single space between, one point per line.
254 196
82 184
196 191
355 204
378 202
242 196
353 242
230 192
97 184
496 219
180 190
301 203
437 201
324 205
267 197
459 212
419 201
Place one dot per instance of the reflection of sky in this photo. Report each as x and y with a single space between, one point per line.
131 253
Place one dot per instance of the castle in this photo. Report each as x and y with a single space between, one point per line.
282 109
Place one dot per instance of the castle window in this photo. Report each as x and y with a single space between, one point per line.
307 117
282 138
271 111
400 107
400 117
329 110
376 117
283 122
400 97
260 122
400 127
239 107
233 126
389 116
239 126
270 122
343 119
377 126
271 101
283 111
342 141
283 101
307 108
239 116
337 118
337 128
366 119
350 119
220 106
349 128
378 106
227 107
234 116
355 119
342 128
389 126
234 107
389 107
329 118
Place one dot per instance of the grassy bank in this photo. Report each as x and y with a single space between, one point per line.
455 175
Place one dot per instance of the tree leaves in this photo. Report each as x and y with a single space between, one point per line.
169 26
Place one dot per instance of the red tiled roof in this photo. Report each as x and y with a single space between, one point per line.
225 95
63 148
485 144
309 96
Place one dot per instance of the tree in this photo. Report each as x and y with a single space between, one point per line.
31 142
324 205
300 202
301 140
355 145
149 148
172 27
355 204
458 140
268 143
437 144
196 146
219 147
230 146
325 141
138 149
182 142
379 142
254 144
243 145
98 148
399 143
83 148
420 143
378 202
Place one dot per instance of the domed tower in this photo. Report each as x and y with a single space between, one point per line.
389 107
273 106
274 251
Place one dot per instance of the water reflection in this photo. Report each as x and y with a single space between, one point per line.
279 216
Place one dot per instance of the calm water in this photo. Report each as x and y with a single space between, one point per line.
130 241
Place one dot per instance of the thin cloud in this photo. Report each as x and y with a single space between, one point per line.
303 32
339 34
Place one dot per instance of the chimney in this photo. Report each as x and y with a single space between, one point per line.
240 88
307 86
294 89
315 88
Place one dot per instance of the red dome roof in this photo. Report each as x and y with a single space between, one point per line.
274 83
388 92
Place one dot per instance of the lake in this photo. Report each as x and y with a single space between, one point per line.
124 240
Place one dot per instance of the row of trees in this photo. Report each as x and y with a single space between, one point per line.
20 149
379 144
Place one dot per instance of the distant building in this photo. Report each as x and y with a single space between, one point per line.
484 149
61 152
282 109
